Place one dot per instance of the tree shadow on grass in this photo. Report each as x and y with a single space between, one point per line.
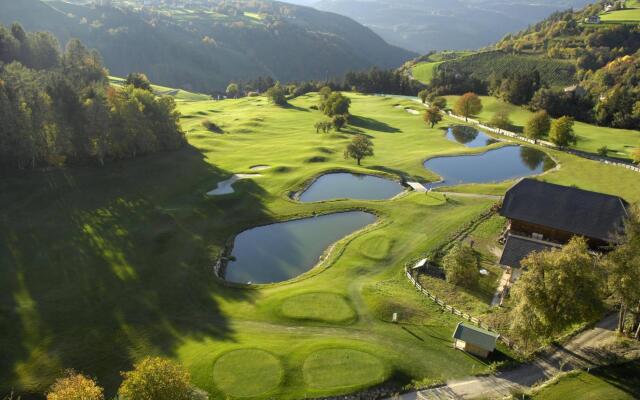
290 106
100 267
371 124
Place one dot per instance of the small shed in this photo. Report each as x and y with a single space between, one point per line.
477 341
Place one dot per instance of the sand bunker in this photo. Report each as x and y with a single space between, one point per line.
226 187
412 111
260 167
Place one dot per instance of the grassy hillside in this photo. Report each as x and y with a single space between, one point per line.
104 266
629 15
205 47
620 142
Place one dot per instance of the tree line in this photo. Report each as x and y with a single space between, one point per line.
57 107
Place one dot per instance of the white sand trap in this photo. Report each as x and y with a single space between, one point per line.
226 187
260 167
412 111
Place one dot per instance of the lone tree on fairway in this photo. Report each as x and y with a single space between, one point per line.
501 120
461 266
538 126
139 81
324 126
423 95
623 265
359 148
335 104
558 288
467 105
561 133
339 121
156 378
439 102
432 116
233 90
75 387
277 95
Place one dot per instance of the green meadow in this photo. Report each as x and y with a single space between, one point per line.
630 15
620 142
102 267
425 71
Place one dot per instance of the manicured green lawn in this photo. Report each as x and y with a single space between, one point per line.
103 266
590 137
425 71
620 382
631 14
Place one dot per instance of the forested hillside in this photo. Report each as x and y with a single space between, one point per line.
58 108
564 65
204 45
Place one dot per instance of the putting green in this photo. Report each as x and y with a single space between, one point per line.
342 368
247 373
376 247
325 307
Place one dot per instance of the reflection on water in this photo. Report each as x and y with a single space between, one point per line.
505 163
282 251
469 136
351 186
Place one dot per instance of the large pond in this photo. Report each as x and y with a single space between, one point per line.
282 251
351 186
505 163
469 136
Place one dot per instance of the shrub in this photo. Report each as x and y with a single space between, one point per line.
155 378
461 266
75 386
339 121
603 151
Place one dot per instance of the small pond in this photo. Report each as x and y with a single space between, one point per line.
469 136
282 251
505 163
351 186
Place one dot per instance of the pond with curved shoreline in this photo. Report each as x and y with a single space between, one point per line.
497 165
469 136
344 185
282 251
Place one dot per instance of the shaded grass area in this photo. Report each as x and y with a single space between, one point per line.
619 382
101 267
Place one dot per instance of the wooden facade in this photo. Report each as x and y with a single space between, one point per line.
549 234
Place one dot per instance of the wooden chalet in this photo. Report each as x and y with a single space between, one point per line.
543 216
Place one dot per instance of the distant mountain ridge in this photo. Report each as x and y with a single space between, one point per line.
427 25
206 44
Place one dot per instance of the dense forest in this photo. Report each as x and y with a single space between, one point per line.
58 108
563 65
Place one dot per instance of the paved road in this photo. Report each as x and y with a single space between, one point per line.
580 352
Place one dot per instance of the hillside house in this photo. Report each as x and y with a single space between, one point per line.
594 19
474 340
543 216
575 91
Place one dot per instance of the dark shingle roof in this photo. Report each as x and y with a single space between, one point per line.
518 248
584 213
476 336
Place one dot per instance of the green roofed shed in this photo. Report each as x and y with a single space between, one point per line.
474 340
